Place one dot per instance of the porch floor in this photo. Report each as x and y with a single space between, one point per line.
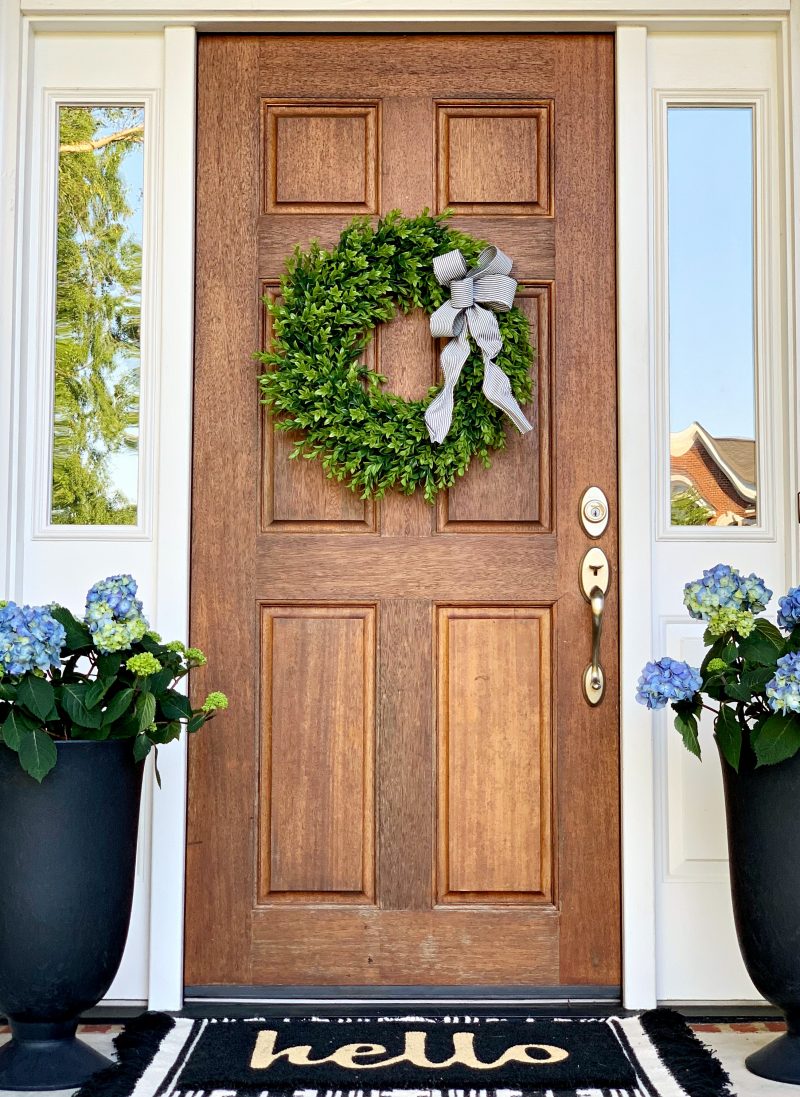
732 1043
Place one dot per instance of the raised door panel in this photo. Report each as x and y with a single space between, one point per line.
316 805
495 754
495 158
321 157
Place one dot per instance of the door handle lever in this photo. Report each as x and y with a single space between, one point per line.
595 579
597 600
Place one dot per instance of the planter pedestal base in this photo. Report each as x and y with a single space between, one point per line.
47 1056
779 1061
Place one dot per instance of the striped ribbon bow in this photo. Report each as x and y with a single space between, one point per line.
486 284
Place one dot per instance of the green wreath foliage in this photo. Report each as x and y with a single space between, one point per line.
331 302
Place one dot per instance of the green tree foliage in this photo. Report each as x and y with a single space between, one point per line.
98 302
687 509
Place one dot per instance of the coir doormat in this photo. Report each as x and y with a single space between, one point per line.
651 1055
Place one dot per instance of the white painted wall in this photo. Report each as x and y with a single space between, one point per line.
111 48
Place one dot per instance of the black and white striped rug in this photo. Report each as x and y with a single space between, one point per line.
412 1055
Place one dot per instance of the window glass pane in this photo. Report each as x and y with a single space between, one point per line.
711 316
97 323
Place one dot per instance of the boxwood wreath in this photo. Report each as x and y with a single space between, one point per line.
330 304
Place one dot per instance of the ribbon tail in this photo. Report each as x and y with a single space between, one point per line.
439 413
497 390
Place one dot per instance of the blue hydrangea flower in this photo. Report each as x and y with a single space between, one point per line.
789 612
726 599
783 691
30 639
114 613
665 681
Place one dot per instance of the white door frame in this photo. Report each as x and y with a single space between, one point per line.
179 21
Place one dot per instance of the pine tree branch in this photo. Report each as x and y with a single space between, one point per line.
135 133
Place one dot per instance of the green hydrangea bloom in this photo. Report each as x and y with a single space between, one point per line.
215 701
729 619
143 664
716 664
152 635
176 646
195 655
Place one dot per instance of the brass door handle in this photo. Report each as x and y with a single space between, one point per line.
595 579
594 672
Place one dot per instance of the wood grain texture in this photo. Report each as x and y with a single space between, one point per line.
495 158
409 947
515 879
220 845
321 158
317 754
495 754
585 383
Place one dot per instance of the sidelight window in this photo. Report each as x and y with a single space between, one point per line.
711 316
94 471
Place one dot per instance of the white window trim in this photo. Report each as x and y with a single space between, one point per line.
44 335
766 318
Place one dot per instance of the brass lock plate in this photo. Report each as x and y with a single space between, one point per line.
594 511
595 572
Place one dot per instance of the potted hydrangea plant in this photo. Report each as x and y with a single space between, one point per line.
750 682
83 702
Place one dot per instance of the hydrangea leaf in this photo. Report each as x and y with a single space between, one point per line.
78 636
83 732
73 701
687 726
145 710
759 648
777 739
37 753
738 691
109 663
141 747
770 631
117 706
97 691
175 705
160 681
166 733
126 728
14 726
729 736
755 680
38 697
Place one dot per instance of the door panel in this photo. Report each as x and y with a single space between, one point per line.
409 787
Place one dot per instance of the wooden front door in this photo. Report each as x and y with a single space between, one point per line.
409 787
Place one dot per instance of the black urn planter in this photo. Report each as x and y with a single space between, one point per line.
763 812
67 863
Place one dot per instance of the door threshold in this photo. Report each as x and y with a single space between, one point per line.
403 995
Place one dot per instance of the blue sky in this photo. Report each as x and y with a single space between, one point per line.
711 269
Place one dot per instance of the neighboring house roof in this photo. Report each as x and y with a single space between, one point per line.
735 457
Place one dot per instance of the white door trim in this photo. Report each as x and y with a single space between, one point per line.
170 544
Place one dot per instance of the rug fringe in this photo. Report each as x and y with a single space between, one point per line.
136 1047
677 1047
